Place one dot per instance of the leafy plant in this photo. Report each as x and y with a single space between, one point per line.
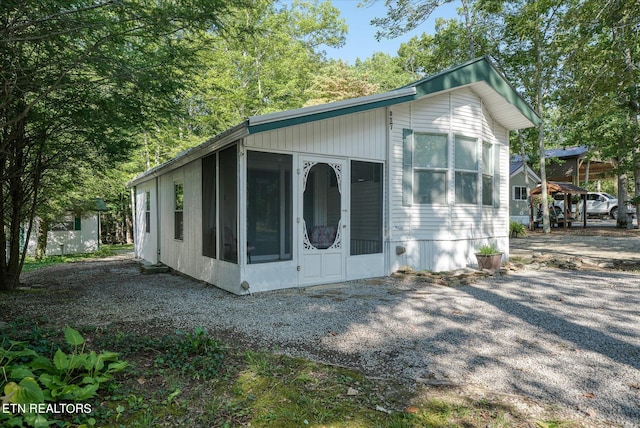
517 229
28 377
195 354
488 249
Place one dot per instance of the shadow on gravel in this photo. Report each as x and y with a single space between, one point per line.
583 337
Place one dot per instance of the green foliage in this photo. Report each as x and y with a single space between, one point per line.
517 229
28 376
82 79
196 355
32 263
487 249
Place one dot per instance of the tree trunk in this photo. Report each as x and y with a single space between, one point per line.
469 27
636 179
622 221
41 246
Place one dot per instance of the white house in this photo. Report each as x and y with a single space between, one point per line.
352 189
71 235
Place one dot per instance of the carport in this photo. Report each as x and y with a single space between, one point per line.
567 189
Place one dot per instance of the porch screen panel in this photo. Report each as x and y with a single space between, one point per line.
228 200
366 208
269 207
209 169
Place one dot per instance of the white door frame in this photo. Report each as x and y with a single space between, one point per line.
323 265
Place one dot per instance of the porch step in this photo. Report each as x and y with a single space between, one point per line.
147 268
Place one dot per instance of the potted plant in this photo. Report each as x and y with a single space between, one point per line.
489 257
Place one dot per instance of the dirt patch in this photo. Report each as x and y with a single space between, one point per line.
600 246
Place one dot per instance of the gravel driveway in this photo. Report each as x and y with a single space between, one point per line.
567 338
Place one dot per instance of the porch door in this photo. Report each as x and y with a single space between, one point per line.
323 227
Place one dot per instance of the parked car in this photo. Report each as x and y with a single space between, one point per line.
599 204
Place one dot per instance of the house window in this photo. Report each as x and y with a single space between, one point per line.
519 193
147 213
209 235
488 171
228 203
178 197
269 207
466 170
430 162
68 223
366 208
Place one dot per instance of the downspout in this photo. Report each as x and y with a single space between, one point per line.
158 226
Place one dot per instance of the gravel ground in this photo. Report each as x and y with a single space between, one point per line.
566 338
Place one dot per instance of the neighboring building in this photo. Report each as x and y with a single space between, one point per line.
71 235
574 165
346 190
519 195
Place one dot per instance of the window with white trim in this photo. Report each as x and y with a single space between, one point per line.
425 166
147 212
519 193
178 193
488 171
466 165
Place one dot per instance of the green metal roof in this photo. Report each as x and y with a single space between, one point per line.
479 73
500 98
477 70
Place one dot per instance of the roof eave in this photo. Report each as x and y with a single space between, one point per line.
227 137
283 119
479 70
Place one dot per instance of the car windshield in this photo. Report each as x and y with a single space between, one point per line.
609 196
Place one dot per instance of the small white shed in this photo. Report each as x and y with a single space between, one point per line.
353 189
72 234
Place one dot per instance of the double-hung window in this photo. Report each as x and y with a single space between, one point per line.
466 170
430 163
488 172
147 212
178 193
519 193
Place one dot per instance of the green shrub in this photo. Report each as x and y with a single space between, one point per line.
487 249
517 229
28 377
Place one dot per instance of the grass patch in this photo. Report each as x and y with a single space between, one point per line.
191 379
106 250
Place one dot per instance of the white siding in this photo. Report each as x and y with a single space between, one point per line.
357 135
60 242
443 236
186 256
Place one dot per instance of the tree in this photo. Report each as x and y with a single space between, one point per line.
601 93
79 78
429 54
385 71
265 62
406 15
337 82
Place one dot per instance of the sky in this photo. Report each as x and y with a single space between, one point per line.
361 42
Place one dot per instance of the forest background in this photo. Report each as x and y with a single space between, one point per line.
93 93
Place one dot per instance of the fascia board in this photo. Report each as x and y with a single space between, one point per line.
472 72
194 153
283 119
